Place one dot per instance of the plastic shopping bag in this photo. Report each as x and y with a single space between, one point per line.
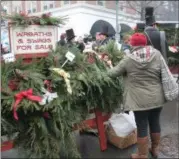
123 124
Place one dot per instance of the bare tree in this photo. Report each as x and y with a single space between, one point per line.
139 6
169 12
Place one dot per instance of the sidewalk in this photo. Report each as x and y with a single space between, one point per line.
89 145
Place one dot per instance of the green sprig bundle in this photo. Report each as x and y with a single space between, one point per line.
23 20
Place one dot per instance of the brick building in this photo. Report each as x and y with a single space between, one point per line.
40 6
80 13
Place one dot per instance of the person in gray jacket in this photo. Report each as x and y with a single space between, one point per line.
143 91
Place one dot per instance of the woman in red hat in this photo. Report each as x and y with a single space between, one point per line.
143 92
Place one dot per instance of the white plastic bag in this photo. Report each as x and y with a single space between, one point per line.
123 124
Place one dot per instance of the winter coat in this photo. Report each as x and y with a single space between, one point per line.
80 46
62 42
142 87
70 44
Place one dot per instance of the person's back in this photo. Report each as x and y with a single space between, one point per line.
143 87
153 35
144 79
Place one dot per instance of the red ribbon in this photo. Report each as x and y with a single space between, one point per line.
20 96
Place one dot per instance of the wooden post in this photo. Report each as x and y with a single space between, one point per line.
101 130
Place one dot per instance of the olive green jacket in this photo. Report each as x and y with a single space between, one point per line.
142 86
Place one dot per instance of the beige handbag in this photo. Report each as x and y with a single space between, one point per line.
170 86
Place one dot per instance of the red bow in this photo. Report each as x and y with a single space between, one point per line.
20 96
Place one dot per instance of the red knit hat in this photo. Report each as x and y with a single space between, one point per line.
138 39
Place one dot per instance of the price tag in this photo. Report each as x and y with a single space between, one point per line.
9 57
70 56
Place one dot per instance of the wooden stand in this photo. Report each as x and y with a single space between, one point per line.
98 122
7 145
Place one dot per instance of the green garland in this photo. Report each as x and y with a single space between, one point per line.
23 20
50 137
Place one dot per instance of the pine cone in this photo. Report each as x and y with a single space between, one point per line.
13 84
5 91
21 74
91 59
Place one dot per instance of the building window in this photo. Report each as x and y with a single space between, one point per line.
51 5
4 9
34 10
122 5
100 3
32 6
66 2
121 8
47 5
17 9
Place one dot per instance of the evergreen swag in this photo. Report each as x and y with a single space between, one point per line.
51 137
23 20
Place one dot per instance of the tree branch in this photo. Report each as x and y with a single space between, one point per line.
131 7
148 2
161 3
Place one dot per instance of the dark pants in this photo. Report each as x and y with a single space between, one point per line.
143 118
